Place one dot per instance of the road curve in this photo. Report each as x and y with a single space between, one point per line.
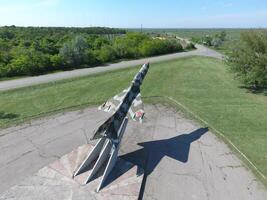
35 80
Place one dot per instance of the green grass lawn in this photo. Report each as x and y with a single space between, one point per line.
201 84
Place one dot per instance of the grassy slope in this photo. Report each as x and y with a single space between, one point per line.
202 84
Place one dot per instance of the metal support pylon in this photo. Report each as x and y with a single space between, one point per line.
105 149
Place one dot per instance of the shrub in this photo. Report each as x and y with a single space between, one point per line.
106 54
222 35
3 71
157 47
207 40
56 61
127 46
173 46
26 61
91 58
216 42
100 42
248 59
148 48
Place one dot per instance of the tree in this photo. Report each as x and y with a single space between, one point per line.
222 35
7 34
4 57
100 42
106 54
73 53
157 47
218 39
248 60
148 48
206 40
128 45
91 57
2 70
56 61
33 50
26 61
216 42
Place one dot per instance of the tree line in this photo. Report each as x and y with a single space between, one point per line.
37 50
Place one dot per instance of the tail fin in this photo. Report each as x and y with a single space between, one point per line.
136 111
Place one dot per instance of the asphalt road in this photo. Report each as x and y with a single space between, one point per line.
181 159
24 82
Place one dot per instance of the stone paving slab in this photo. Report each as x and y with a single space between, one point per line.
56 182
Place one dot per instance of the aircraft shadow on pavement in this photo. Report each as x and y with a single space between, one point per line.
150 155
177 147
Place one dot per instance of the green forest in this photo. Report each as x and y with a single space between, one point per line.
26 51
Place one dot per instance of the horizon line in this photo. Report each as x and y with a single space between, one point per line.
143 28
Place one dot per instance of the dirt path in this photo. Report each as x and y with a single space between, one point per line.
181 159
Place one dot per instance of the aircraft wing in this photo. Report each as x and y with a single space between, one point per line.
112 104
136 111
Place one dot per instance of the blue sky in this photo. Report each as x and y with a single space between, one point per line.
133 13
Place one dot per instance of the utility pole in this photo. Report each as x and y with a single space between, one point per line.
141 28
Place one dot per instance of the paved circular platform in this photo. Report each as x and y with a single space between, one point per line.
181 159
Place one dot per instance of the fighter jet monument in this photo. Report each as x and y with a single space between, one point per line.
110 133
